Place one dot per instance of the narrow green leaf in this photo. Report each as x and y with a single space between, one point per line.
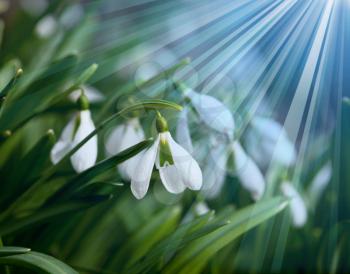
157 228
200 251
38 262
12 250
20 109
18 224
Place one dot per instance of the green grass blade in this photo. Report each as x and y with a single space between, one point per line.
38 262
199 252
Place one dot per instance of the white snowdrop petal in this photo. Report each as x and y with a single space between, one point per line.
189 169
59 150
86 156
112 143
132 135
213 113
64 144
248 173
297 206
171 179
321 179
141 176
183 135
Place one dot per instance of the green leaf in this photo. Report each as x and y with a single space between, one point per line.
38 262
18 224
12 250
157 228
19 109
195 256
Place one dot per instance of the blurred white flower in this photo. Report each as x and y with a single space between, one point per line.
34 7
201 208
212 112
183 135
267 139
121 138
71 16
79 127
93 95
4 5
177 168
248 172
319 183
46 27
297 206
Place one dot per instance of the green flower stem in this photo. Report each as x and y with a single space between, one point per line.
133 87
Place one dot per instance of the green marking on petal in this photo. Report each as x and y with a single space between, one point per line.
76 125
165 156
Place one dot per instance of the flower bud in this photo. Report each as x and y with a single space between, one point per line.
83 102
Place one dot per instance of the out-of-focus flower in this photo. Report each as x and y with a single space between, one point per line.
71 16
211 111
4 5
176 166
123 137
201 208
247 172
266 139
319 183
34 7
183 135
297 206
46 27
93 95
78 128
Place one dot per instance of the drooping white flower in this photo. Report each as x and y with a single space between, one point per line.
297 206
71 16
211 111
248 172
93 95
177 168
46 27
121 138
183 135
78 128
267 139
218 164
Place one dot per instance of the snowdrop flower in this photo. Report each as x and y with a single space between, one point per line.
93 95
79 127
71 16
46 27
121 138
267 139
177 168
297 206
211 111
247 172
